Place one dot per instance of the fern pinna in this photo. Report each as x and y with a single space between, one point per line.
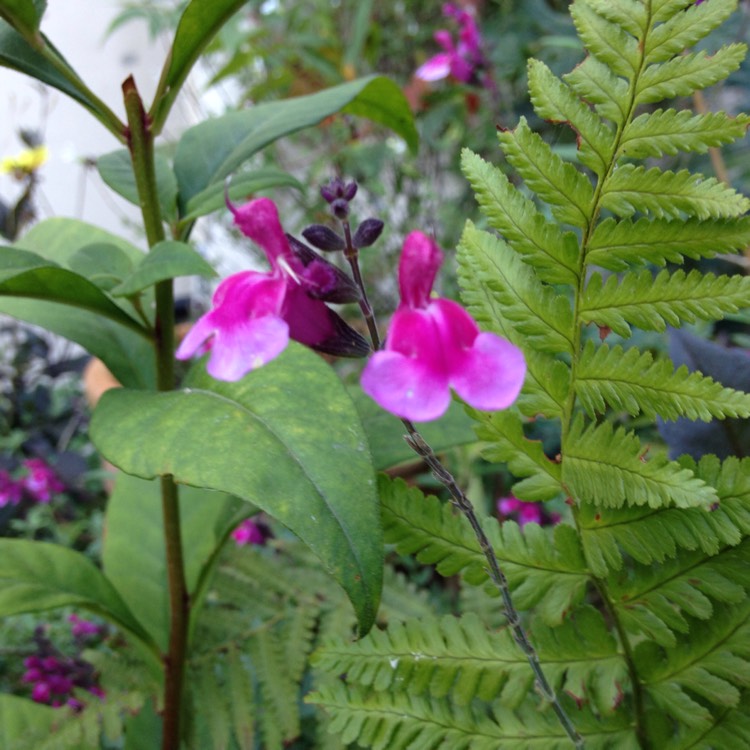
639 607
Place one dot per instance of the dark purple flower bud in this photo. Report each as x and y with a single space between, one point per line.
334 189
350 190
340 208
367 232
323 238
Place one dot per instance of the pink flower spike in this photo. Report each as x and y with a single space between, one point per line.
434 345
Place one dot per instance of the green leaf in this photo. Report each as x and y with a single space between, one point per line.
632 381
552 253
667 194
594 82
166 260
321 488
609 468
685 30
669 131
116 169
25 274
684 75
23 15
208 152
242 185
102 263
139 572
654 302
616 244
544 318
36 576
557 182
606 41
385 432
630 14
525 458
22 721
555 101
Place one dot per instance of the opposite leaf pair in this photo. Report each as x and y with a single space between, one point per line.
433 344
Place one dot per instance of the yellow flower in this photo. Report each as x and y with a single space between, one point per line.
27 161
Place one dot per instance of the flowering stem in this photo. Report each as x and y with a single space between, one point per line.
351 254
140 143
422 448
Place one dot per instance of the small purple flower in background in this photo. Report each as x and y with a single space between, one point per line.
250 532
83 629
41 482
523 512
11 491
254 314
434 345
463 59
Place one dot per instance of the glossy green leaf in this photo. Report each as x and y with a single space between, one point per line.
23 15
37 576
212 198
26 274
102 263
302 454
116 170
385 433
139 571
167 260
23 721
210 151
198 24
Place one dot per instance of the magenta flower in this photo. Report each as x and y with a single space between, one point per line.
524 512
434 345
249 532
82 629
10 490
254 314
41 482
463 59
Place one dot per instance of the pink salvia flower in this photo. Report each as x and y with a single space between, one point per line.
248 532
41 483
461 60
254 314
434 345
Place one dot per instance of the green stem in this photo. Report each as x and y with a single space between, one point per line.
140 143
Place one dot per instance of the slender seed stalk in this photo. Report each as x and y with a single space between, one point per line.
140 143
459 500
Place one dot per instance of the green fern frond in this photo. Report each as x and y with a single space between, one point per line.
560 184
650 536
667 194
544 318
669 132
730 727
546 385
617 244
607 41
656 600
630 14
242 708
631 380
544 567
297 633
654 302
684 75
594 82
503 430
403 599
398 721
663 10
711 666
460 659
608 467
684 30
556 102
553 253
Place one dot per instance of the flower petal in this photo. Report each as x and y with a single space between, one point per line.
435 68
259 220
420 260
405 386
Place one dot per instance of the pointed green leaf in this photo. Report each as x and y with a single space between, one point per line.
654 302
23 15
166 260
684 75
552 253
318 483
663 10
102 263
666 194
630 14
610 468
208 152
594 82
557 182
669 131
555 101
36 576
616 244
